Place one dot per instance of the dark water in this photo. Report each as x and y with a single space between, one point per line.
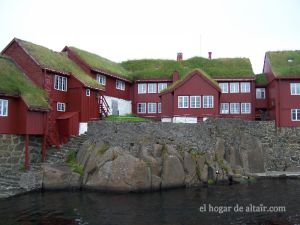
173 207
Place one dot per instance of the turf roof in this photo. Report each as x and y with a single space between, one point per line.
261 79
13 82
58 61
285 63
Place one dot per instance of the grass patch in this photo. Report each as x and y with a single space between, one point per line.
75 167
127 118
210 182
261 79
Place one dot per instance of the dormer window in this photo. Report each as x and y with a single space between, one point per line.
60 83
290 60
101 79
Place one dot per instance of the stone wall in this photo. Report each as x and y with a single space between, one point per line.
256 146
12 152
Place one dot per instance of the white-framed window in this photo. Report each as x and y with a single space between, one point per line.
245 108
224 108
260 93
295 88
183 101
151 107
141 108
162 86
88 92
159 107
120 85
245 87
101 79
234 108
61 107
195 101
224 87
142 88
60 83
152 87
295 114
208 101
3 107
234 87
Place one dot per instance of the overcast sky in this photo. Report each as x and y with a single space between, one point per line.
133 29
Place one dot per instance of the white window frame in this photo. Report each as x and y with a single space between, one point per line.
101 79
245 87
3 107
208 102
193 102
143 106
245 108
234 87
88 92
120 85
234 109
142 88
152 88
224 87
161 86
61 106
260 93
159 107
151 107
183 102
295 111
224 108
60 83
295 88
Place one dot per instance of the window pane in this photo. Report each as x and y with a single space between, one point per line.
224 87
162 86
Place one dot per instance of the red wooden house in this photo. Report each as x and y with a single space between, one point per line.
282 69
73 95
261 97
23 106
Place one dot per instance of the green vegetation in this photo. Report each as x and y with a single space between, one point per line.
285 63
261 79
58 61
75 167
210 182
127 118
14 82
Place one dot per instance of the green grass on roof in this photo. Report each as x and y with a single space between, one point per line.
98 62
261 79
280 63
215 68
14 82
58 61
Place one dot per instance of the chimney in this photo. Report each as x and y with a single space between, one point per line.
179 56
209 55
175 76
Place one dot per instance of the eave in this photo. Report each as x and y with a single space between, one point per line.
96 70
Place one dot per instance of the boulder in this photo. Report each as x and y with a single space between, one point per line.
173 172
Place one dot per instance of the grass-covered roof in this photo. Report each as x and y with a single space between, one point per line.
97 62
58 61
13 82
285 63
261 79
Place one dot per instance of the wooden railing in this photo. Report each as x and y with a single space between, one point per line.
104 107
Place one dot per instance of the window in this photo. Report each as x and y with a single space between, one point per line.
101 79
162 86
234 88
151 107
195 101
260 93
60 83
141 108
152 87
224 108
295 114
183 101
245 108
295 88
3 107
87 92
208 101
159 107
120 85
234 108
142 88
61 107
224 87
245 87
